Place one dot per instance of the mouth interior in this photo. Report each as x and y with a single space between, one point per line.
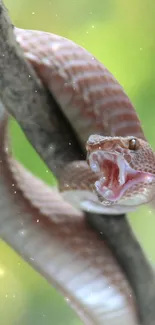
116 175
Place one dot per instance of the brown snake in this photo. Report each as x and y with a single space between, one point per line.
65 249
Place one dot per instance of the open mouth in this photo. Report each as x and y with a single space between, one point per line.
116 175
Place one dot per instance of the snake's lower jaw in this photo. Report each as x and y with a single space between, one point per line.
98 208
87 201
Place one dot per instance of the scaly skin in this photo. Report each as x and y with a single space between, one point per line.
71 255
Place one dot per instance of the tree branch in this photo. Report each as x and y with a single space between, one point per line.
24 96
128 252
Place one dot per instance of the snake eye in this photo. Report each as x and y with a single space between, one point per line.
133 144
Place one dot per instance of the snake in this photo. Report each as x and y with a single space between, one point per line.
122 165
115 176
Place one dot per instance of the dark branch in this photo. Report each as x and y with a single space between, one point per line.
25 98
128 252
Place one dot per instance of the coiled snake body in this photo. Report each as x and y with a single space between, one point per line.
123 172
118 176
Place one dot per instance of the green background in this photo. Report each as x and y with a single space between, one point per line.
122 35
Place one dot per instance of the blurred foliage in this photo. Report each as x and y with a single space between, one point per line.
120 34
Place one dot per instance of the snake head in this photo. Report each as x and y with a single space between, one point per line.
126 169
